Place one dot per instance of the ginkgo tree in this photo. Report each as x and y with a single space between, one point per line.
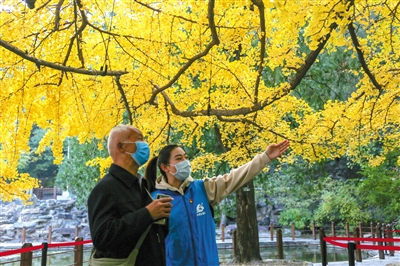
78 68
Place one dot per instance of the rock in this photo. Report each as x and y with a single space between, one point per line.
38 217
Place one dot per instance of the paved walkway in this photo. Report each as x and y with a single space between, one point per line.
375 261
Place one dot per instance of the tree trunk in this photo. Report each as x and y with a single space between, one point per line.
247 240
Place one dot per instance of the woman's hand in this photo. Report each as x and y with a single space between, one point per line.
275 150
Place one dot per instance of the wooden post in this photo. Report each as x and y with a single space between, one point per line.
379 235
44 253
347 229
279 243
233 243
390 235
26 257
78 253
351 247
292 231
322 243
361 231
271 231
223 232
372 233
313 231
333 229
23 234
49 235
384 235
358 250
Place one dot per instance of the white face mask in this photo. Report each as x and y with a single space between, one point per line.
183 170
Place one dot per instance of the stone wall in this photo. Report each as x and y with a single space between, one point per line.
60 219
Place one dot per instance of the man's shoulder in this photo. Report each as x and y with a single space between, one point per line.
106 183
106 179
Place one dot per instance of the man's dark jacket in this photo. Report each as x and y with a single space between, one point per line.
118 217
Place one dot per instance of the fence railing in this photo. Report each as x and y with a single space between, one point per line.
381 237
26 252
47 193
384 239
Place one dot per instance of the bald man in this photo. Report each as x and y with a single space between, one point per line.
119 207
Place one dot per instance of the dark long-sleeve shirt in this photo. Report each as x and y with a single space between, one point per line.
118 217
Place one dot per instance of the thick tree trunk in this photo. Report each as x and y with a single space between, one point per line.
247 241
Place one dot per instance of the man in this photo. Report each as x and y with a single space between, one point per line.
119 207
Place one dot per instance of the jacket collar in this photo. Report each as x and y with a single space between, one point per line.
161 183
123 175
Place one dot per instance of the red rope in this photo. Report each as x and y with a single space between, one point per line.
335 243
374 247
64 244
332 241
21 250
33 248
365 239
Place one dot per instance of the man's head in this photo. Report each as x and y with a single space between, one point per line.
123 148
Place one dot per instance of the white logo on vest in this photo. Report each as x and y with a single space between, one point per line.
200 209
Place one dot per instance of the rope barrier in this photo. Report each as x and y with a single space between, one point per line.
33 248
331 240
21 250
64 244
366 239
334 241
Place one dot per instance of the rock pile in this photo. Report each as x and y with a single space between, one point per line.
42 221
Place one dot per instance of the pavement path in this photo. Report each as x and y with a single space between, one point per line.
375 261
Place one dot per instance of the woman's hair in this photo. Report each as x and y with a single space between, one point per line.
151 169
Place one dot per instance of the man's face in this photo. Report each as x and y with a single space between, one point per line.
128 145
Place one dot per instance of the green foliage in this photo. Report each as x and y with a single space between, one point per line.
309 193
340 203
301 217
74 175
40 166
294 186
331 78
380 188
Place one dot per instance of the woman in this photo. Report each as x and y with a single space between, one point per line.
191 237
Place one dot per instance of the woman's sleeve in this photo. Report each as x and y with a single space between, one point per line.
219 187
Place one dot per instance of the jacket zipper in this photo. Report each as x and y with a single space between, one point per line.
191 231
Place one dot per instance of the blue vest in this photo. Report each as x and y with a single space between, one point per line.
191 237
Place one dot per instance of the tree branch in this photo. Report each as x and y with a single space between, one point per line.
215 41
123 96
261 8
57 15
301 72
361 58
247 121
90 72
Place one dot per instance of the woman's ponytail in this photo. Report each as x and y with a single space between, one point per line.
151 174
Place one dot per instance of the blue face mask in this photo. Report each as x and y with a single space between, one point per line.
183 170
142 153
